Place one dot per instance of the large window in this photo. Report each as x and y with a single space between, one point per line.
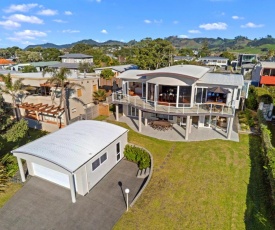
266 72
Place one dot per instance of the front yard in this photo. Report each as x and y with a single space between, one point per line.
201 185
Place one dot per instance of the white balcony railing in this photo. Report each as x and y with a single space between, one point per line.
183 108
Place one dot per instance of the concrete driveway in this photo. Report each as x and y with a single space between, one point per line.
44 205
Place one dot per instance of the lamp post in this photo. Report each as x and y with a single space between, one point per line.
127 192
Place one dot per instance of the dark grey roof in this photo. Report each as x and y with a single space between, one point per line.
75 56
179 58
248 66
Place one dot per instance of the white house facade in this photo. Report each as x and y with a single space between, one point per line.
181 94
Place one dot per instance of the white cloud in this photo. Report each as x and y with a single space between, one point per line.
20 8
68 13
235 17
194 31
214 26
48 12
59 21
9 24
252 25
147 21
153 21
27 35
183 36
104 31
176 22
24 18
70 31
98 0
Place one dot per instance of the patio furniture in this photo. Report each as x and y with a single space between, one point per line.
161 125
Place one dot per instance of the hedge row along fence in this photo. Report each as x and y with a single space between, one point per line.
257 95
268 154
137 155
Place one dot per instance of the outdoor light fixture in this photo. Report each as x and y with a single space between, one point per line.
127 192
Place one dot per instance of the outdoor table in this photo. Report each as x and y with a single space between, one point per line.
161 125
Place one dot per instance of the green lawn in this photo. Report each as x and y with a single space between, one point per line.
10 191
201 185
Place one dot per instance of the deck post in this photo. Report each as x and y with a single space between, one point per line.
117 113
21 169
230 127
139 120
187 127
146 121
190 126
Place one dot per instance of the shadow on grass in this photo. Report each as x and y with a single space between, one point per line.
259 213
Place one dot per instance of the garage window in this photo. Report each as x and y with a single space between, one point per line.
103 158
95 164
118 151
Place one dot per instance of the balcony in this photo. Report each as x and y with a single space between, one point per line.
210 108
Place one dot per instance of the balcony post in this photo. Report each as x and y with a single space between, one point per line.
222 108
135 101
21 169
211 108
229 129
113 96
117 113
139 120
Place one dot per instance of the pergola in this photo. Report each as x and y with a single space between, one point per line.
42 109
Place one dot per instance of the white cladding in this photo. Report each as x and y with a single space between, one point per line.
74 145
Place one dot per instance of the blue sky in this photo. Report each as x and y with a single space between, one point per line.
26 22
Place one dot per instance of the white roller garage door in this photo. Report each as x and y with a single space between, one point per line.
51 175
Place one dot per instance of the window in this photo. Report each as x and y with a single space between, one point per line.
266 72
79 92
95 164
118 151
103 158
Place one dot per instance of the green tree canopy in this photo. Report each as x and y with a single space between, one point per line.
51 54
107 74
17 131
29 69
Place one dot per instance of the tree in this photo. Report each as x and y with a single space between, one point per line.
17 131
13 89
85 67
186 52
204 52
5 118
228 55
51 54
107 74
100 95
3 178
60 79
29 69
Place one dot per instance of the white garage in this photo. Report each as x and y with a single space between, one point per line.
76 157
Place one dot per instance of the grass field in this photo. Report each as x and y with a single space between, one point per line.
201 185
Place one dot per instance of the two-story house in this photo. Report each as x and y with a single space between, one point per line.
182 94
214 61
264 74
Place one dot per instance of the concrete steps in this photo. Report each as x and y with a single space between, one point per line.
143 173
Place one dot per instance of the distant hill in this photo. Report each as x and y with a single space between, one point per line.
237 44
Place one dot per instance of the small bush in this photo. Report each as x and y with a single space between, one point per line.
137 155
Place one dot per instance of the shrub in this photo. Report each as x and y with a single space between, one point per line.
137 155
10 163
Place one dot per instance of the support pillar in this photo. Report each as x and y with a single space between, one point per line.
117 113
139 120
187 127
229 130
22 173
72 188
190 126
146 121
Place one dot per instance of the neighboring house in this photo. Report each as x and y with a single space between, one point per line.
4 63
214 61
117 71
72 61
247 59
246 71
38 92
40 66
183 58
182 94
264 74
76 157
76 58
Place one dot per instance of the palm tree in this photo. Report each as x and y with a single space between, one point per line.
13 89
59 78
100 95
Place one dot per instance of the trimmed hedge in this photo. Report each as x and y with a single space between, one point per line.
268 154
137 155
257 95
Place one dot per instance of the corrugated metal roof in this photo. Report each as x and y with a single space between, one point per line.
43 63
119 68
222 79
74 145
212 58
65 65
192 71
